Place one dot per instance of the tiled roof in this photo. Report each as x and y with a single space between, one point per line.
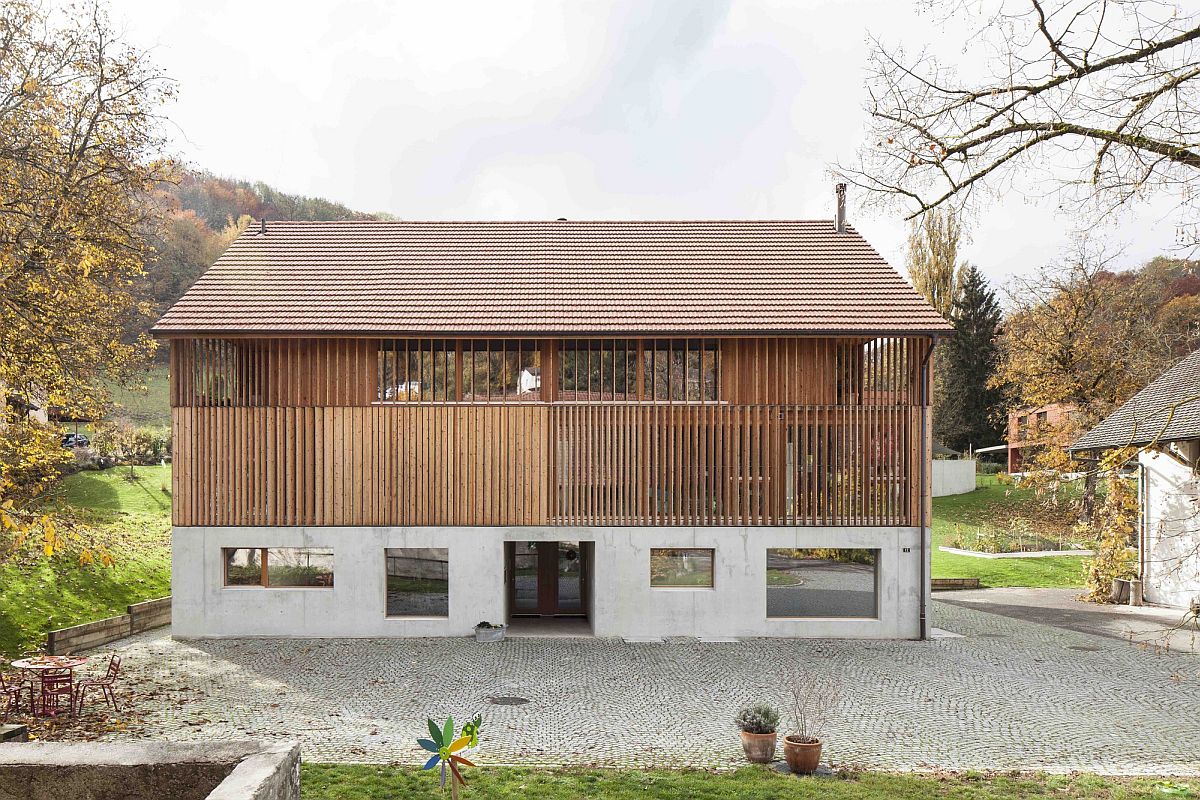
400 278
1144 418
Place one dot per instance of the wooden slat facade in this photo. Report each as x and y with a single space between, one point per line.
802 431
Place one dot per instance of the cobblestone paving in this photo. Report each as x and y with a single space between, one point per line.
1007 695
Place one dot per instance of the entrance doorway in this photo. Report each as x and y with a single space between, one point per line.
548 579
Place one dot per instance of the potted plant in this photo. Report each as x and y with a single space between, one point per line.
812 701
487 632
758 723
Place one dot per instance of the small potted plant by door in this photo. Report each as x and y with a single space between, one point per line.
487 632
758 723
813 700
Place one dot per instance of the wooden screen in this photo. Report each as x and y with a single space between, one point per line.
798 431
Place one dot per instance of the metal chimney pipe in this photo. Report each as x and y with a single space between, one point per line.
840 220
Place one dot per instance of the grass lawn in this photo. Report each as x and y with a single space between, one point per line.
131 520
148 406
370 782
973 508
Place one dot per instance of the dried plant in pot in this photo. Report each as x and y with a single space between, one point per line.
758 723
812 700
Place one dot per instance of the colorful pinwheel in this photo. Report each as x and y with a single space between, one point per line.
444 746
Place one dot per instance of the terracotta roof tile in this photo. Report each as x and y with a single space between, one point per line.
401 278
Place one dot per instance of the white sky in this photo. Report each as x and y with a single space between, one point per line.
514 110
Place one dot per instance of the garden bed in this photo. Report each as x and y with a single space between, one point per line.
1019 554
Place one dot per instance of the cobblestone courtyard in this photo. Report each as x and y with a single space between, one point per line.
1008 694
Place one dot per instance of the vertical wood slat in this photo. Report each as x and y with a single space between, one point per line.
288 432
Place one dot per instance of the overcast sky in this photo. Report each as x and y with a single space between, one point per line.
513 110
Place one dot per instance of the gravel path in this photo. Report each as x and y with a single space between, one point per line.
1008 694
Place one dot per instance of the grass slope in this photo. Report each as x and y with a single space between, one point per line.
972 509
144 406
370 782
131 520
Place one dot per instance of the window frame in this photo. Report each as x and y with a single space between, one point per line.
264 567
438 617
875 568
712 570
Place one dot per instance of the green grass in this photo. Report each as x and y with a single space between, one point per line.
111 490
129 519
972 509
148 403
370 782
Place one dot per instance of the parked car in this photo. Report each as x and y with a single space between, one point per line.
73 440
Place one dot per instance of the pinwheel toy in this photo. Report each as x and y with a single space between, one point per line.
445 747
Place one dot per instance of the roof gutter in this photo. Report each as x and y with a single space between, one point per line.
243 333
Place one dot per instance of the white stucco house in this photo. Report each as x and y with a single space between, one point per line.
1163 420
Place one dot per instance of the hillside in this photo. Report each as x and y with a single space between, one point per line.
203 214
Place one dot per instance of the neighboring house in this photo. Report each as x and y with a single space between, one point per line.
1164 420
626 422
1028 426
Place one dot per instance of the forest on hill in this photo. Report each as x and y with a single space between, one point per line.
202 213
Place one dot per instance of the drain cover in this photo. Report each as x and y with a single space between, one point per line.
505 700
1087 648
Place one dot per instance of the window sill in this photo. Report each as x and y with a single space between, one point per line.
683 588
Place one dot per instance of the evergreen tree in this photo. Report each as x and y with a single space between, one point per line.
972 412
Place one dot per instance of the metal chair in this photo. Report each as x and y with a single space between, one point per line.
11 692
56 685
105 685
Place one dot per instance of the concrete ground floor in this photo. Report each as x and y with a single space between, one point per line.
640 583
1002 694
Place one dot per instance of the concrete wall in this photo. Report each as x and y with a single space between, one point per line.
623 603
214 770
1171 496
953 476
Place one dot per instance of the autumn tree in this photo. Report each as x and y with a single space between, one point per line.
932 258
972 412
1082 334
80 145
1097 101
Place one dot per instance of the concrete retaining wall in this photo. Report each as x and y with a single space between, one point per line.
139 617
150 771
622 601
953 476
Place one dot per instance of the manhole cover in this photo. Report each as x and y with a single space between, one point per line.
1087 648
504 700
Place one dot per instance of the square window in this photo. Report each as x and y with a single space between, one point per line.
829 582
243 566
417 581
690 568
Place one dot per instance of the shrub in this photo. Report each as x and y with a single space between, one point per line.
1114 530
757 718
989 468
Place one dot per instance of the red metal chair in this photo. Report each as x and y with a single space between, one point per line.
57 684
11 692
105 685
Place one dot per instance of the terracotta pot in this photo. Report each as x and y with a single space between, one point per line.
803 757
759 747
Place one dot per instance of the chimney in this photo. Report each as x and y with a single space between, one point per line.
262 230
839 221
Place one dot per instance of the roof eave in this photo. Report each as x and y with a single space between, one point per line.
242 333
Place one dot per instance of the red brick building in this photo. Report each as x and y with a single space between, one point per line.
1028 426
